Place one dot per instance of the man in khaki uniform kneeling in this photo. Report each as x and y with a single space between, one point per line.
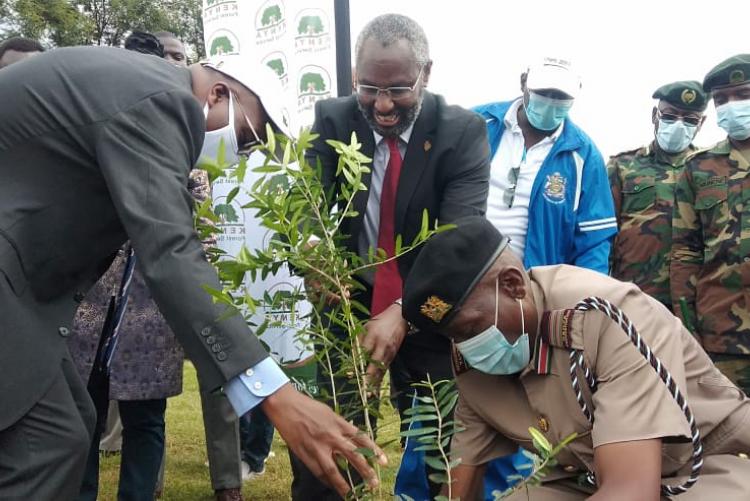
513 332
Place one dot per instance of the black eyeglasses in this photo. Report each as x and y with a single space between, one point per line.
671 118
371 91
510 193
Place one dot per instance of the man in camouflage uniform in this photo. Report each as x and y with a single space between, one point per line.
711 229
642 182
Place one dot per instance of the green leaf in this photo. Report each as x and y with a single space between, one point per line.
419 431
435 463
540 441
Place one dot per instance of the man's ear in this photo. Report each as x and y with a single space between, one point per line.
523 81
426 73
218 92
653 115
511 281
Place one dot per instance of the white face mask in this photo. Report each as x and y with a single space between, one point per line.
734 118
212 138
674 137
491 353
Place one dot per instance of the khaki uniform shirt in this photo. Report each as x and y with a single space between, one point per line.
711 248
642 183
630 403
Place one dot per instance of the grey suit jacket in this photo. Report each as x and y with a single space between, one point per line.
95 147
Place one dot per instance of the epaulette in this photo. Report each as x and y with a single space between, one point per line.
562 329
633 152
720 148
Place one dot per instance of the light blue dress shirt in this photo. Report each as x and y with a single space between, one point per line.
251 387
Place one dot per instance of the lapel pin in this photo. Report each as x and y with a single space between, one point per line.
427 145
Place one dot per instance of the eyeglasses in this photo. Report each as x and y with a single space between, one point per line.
510 193
671 118
395 93
245 148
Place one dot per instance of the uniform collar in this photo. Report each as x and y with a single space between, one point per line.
661 156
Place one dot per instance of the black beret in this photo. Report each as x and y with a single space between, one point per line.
447 269
685 94
733 71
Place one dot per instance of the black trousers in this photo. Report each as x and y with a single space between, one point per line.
142 452
42 456
420 354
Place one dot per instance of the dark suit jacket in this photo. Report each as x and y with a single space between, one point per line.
445 170
95 146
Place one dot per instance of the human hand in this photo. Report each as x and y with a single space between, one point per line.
383 336
316 434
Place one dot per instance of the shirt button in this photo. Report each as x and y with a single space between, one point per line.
221 356
543 424
206 331
569 468
216 348
257 385
742 455
249 372
211 339
63 331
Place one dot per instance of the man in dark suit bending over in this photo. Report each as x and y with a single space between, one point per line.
95 148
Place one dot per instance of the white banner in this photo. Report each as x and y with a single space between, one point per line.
296 39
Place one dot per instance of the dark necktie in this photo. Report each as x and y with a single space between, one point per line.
388 283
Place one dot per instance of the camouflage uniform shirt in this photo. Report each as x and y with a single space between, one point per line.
642 183
711 247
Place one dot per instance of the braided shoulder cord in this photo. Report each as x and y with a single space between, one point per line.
577 362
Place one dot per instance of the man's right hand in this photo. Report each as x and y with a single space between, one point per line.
316 434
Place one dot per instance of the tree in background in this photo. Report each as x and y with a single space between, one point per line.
61 23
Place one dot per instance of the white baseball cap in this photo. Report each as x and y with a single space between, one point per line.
554 73
261 81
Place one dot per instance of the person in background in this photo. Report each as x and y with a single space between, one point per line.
710 269
642 182
17 49
172 47
548 183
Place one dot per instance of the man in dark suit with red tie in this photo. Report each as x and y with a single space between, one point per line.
426 155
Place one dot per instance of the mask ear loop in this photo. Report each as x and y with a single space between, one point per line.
523 325
497 297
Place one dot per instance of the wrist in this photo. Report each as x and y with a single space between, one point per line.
410 328
278 400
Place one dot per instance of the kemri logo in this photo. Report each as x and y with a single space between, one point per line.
223 42
314 85
313 31
214 10
270 22
278 63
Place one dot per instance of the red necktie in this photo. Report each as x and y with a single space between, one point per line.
388 283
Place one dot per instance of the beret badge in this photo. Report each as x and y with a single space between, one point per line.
435 309
688 96
737 76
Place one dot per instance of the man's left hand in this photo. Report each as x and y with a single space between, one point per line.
382 340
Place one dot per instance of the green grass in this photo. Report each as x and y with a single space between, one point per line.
186 476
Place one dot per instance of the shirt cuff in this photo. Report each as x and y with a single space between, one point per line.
251 387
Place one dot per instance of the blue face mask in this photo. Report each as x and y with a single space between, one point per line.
546 113
491 353
734 118
674 137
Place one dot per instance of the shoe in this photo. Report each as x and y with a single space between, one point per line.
234 494
248 474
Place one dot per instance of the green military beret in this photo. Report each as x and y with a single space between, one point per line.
733 71
447 269
685 94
